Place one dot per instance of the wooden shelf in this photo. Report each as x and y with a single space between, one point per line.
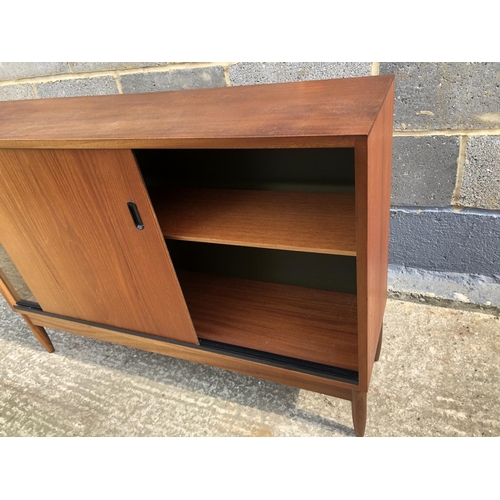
303 323
299 221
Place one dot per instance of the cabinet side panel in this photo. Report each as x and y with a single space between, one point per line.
373 186
66 223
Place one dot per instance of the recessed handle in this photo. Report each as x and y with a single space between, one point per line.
136 216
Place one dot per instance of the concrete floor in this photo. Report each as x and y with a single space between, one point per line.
439 375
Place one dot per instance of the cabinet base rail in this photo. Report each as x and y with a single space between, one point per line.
332 381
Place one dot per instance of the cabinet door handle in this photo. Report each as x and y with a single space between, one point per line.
136 216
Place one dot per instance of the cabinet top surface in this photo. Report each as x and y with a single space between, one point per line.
300 114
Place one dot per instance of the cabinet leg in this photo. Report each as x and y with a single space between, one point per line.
379 345
11 296
359 412
40 334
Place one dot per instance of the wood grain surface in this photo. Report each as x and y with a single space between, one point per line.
303 323
252 368
40 334
358 406
300 114
373 157
65 222
308 222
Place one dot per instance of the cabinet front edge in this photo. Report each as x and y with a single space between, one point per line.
345 141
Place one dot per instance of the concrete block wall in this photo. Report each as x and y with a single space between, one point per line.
445 220
445 216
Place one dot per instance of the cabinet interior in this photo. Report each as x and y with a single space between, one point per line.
263 242
312 170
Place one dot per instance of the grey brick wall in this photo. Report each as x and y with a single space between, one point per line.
424 170
254 73
180 79
446 155
17 92
45 80
481 179
446 151
17 70
459 100
100 85
440 96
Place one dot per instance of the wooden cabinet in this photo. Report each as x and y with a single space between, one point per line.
245 228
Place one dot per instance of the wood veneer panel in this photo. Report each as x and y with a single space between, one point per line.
303 323
253 368
308 222
373 158
359 412
312 114
65 222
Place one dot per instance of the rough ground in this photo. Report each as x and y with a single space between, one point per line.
439 375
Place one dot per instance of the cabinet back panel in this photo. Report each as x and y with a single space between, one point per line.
273 169
325 272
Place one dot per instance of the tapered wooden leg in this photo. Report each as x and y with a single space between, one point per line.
359 412
379 345
40 334
11 296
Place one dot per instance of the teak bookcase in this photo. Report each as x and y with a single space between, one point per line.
245 228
